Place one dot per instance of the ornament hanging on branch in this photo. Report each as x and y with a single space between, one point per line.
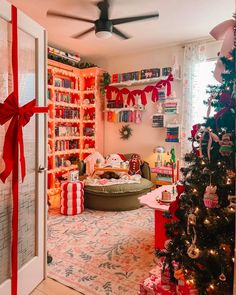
193 251
210 197
226 145
222 277
125 132
232 205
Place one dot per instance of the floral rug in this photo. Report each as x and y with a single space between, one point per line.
102 253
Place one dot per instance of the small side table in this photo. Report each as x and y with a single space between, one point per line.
150 200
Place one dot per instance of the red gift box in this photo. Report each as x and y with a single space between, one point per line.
165 277
149 285
185 289
156 271
165 289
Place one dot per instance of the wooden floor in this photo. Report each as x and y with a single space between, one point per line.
51 287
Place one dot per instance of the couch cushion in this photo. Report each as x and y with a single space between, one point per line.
120 188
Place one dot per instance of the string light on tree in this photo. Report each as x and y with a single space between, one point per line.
207 207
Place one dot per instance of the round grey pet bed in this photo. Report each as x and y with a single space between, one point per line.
116 197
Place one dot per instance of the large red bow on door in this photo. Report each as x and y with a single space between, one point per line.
19 116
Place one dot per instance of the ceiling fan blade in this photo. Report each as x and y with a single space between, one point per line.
58 14
124 20
120 34
83 33
103 6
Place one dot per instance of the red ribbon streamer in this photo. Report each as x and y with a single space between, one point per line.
131 94
221 113
19 116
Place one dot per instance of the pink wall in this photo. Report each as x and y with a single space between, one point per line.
144 137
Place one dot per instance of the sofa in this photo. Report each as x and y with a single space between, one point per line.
119 197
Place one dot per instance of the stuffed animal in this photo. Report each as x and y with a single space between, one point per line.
114 160
135 164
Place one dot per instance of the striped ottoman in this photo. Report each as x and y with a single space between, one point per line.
72 198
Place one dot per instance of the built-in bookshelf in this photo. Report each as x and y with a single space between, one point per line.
75 124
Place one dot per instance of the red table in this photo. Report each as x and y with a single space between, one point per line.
150 200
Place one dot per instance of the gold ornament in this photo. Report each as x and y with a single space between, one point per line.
193 251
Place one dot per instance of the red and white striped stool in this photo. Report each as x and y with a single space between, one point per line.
72 198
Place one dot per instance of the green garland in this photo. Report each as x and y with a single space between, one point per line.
105 80
76 64
125 132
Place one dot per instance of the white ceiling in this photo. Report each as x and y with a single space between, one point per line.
179 21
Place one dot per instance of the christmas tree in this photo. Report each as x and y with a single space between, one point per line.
201 246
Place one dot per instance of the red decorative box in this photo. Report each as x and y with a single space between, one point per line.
165 289
149 285
184 289
156 271
165 277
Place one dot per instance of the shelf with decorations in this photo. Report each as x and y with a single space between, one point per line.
75 118
127 104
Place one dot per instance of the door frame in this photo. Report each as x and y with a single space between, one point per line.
33 272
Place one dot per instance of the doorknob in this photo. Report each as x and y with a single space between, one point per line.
41 169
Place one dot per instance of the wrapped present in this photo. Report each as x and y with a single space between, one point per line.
148 287
185 289
165 276
162 289
156 271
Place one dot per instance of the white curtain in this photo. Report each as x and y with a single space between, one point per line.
193 54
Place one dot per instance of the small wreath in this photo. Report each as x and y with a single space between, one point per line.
125 132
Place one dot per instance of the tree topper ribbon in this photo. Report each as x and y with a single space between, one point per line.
225 31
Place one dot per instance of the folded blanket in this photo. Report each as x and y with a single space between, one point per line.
104 182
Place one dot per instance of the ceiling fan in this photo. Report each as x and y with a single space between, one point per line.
103 26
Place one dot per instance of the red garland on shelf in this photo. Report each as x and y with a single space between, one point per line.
142 92
19 116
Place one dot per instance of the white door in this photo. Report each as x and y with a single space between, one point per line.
32 193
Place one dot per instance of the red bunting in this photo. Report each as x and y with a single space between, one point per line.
18 117
140 92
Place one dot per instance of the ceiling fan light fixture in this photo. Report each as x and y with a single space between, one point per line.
103 29
103 34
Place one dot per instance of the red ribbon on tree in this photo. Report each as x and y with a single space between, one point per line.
19 116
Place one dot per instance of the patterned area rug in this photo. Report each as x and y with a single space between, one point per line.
102 253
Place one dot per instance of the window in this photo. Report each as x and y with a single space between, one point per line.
203 76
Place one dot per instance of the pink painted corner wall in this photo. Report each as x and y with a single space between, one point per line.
144 137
